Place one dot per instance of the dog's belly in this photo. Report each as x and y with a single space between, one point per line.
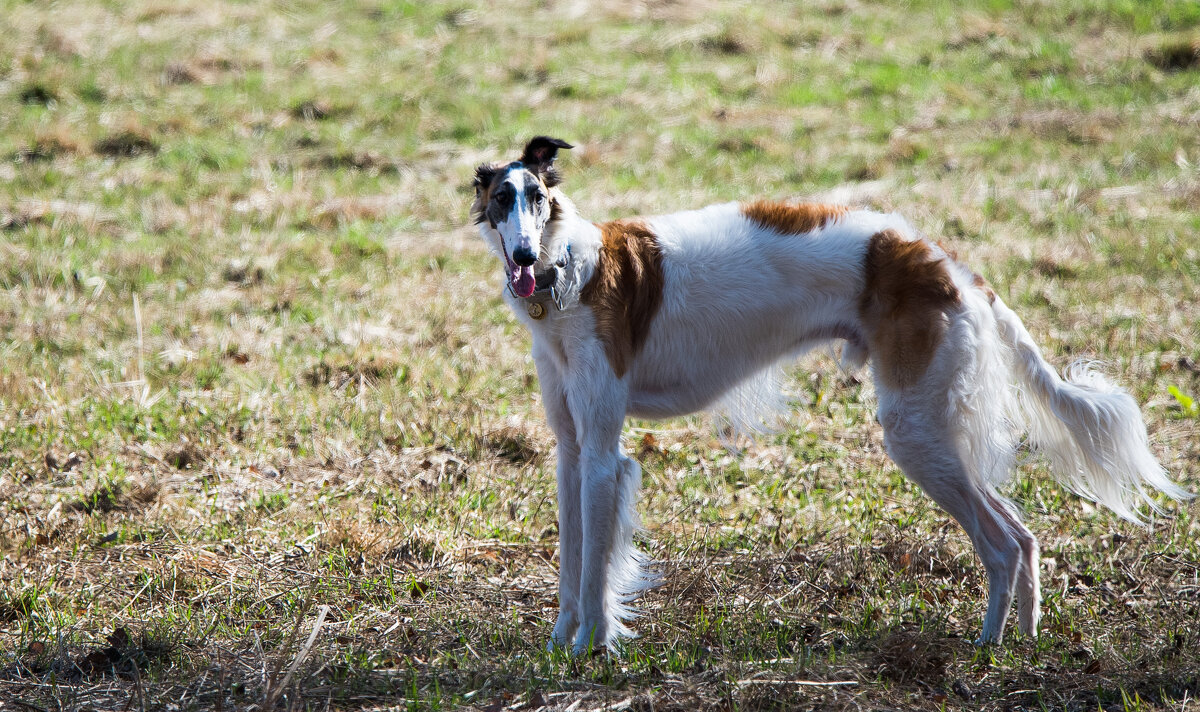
669 400
737 299
684 374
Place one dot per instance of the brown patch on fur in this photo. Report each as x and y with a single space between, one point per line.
982 285
626 290
907 293
792 219
950 252
976 279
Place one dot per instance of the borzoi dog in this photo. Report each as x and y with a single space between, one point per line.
662 316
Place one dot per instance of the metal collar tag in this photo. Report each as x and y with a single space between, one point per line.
535 304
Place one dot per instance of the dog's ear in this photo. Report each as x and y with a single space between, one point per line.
484 175
542 150
539 157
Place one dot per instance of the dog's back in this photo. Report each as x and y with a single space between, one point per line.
744 286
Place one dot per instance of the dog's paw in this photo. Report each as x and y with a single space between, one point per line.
590 639
564 631
1027 622
589 650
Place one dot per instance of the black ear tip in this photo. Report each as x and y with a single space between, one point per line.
542 149
548 141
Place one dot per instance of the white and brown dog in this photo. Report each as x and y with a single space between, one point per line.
663 316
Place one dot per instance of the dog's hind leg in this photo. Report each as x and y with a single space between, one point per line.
570 525
920 441
983 418
1029 594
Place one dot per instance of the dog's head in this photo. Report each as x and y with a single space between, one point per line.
513 199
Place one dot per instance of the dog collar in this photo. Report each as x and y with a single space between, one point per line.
554 286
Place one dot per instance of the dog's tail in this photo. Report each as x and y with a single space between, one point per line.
629 575
1089 429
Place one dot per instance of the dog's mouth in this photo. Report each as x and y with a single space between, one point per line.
521 279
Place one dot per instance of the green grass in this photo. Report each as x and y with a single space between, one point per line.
319 399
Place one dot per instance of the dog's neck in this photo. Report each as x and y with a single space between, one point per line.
564 221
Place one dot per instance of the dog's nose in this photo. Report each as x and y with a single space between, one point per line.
524 256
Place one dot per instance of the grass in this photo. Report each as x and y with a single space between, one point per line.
254 367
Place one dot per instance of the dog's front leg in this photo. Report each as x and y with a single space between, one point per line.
597 403
570 544
570 526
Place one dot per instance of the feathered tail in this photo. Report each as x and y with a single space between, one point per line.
1090 430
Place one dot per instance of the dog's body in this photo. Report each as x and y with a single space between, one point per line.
664 316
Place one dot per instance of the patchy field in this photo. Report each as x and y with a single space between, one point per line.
255 374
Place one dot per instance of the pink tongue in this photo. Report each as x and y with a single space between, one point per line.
523 282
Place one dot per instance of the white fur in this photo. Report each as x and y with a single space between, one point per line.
737 300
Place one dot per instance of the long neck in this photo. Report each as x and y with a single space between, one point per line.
567 231
571 241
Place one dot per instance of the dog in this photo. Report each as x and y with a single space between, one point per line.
663 316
